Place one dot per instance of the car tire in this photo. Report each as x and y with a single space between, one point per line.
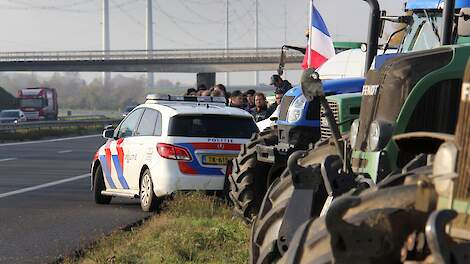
148 200
248 180
98 186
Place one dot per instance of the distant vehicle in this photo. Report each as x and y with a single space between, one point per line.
39 103
128 109
167 144
12 116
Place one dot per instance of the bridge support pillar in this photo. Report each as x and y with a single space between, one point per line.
206 78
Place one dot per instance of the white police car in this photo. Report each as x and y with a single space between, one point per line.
170 143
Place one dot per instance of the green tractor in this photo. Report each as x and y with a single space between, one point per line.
420 216
407 93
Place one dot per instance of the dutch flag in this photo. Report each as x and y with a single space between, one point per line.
320 44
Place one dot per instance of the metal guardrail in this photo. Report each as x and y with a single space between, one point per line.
140 54
83 117
38 125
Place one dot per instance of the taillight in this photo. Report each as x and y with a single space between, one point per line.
168 151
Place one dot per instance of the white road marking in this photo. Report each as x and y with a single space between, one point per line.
64 151
47 140
45 185
8 159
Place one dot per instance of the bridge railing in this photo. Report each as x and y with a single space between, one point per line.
140 54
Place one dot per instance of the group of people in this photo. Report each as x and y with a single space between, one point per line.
202 90
250 100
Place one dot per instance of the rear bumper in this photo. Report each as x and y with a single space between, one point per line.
167 178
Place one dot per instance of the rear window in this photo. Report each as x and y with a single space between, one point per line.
218 126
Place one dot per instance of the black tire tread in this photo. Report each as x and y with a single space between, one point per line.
98 186
314 242
272 210
249 176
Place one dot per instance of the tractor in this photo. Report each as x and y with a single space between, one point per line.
414 216
407 93
264 158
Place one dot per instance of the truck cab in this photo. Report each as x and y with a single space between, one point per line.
39 103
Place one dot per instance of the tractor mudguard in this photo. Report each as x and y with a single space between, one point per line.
312 184
306 195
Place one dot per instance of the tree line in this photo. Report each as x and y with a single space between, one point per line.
75 93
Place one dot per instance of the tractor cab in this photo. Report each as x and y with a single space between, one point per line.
409 93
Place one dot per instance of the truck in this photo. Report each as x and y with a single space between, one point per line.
39 103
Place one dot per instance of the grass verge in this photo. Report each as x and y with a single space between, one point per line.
192 228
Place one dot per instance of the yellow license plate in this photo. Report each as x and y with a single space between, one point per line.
217 159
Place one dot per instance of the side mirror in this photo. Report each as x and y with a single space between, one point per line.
108 131
311 84
364 47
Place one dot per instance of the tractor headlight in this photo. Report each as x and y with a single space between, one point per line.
353 132
296 108
379 134
444 163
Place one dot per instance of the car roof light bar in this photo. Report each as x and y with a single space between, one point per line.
179 98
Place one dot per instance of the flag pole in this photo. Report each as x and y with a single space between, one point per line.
309 44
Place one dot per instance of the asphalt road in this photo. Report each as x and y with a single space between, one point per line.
46 206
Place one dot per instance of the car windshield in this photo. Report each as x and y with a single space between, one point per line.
36 103
218 126
421 33
9 114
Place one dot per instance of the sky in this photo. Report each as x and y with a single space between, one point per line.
50 25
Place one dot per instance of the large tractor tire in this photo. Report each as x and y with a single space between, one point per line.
379 226
265 230
249 177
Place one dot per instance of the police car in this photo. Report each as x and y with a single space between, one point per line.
170 143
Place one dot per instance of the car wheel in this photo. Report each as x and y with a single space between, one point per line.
148 199
98 186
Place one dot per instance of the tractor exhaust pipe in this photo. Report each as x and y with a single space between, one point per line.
373 38
448 17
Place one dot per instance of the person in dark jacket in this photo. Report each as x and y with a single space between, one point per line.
236 99
281 84
250 99
278 93
260 110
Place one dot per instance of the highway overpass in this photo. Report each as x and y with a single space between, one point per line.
176 61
